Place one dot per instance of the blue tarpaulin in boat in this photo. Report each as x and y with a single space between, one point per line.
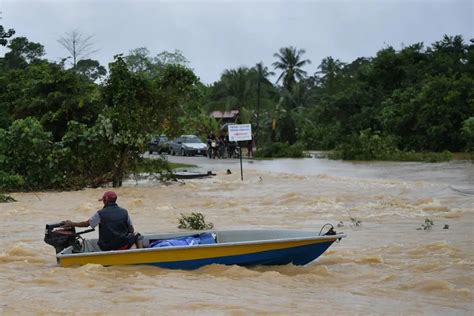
198 239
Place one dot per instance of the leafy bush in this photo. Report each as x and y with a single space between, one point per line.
280 150
11 182
28 151
468 133
90 158
194 221
370 145
321 137
366 146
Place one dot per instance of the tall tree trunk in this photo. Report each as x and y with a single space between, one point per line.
119 169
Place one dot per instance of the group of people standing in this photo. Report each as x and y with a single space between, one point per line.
220 147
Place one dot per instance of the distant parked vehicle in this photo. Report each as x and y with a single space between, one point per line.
187 145
159 145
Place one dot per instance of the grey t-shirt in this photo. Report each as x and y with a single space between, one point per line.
95 220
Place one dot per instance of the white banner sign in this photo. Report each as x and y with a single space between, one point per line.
239 132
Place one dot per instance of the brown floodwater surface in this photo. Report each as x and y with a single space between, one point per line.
384 266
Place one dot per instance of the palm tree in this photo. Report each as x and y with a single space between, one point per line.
290 63
234 91
329 69
237 88
262 75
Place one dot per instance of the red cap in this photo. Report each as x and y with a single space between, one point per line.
109 196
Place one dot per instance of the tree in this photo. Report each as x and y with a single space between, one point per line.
123 121
51 94
234 91
171 58
23 52
135 106
262 76
177 91
78 45
448 54
329 69
139 61
91 69
290 63
4 35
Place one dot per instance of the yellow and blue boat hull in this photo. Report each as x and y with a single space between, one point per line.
271 252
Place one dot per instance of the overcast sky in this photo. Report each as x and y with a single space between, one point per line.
219 35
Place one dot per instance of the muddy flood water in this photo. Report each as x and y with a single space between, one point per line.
384 266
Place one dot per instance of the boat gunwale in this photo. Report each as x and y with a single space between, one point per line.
216 245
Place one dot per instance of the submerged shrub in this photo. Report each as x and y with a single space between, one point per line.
370 145
6 199
194 221
367 145
280 150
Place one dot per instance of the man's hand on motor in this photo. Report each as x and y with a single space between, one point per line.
68 224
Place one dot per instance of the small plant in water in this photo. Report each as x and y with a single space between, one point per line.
427 225
6 199
356 222
194 221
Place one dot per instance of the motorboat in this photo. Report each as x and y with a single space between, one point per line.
226 247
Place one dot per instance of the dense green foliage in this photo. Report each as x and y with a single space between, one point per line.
373 146
87 125
9 182
417 97
468 133
61 129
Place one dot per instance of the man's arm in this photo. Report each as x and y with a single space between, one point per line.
69 223
130 225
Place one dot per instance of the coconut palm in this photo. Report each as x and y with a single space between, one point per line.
329 69
262 76
234 91
290 63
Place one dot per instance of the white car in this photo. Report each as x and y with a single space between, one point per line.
188 145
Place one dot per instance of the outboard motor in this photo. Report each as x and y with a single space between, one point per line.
60 237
